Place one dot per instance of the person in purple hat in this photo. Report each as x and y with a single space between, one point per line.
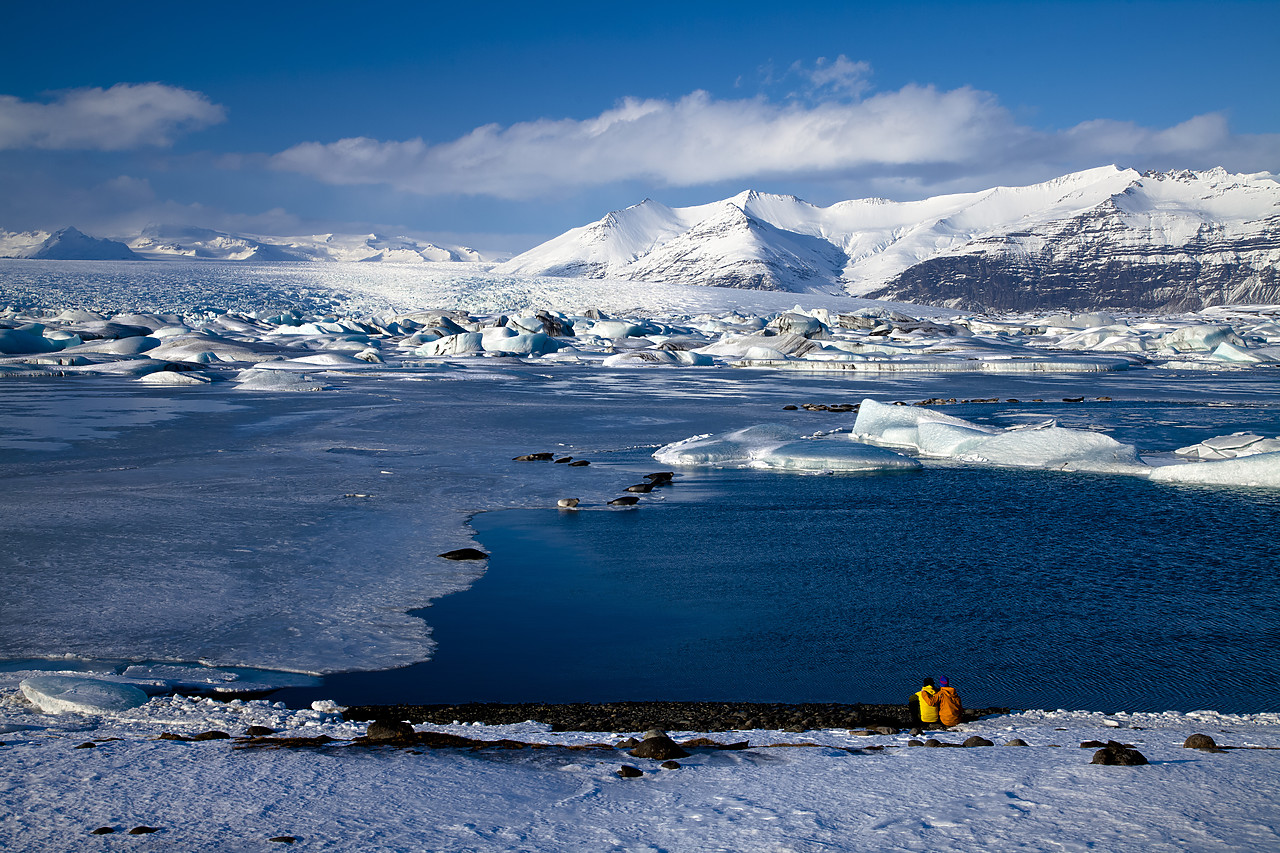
949 706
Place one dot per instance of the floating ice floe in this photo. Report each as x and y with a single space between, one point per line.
65 694
1260 470
781 447
934 434
1230 447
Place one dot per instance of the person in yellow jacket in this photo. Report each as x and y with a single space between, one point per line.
924 704
949 707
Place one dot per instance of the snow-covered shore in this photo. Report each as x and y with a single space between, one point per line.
826 790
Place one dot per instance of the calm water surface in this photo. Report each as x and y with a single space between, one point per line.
1028 589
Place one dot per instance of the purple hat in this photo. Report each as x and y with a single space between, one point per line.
943 681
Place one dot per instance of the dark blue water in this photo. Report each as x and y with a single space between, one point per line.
1027 589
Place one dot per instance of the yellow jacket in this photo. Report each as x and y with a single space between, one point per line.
928 700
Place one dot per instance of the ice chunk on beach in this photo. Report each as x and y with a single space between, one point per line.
66 694
1261 469
781 447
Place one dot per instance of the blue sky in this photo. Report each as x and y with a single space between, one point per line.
499 125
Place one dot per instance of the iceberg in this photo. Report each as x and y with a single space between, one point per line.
645 357
535 343
466 343
1047 445
781 447
899 426
1054 447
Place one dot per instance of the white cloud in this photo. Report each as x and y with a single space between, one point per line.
917 134
125 116
842 76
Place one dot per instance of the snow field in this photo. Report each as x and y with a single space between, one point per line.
833 793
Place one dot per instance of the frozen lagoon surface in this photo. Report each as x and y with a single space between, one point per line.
150 528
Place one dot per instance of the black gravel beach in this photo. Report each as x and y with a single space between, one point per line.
674 716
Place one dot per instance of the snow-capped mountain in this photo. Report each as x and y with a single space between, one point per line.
178 241
70 244
168 241
1103 237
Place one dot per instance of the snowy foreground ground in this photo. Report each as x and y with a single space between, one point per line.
832 794
175 516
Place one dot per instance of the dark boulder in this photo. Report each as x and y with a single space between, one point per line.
626 771
977 740
1200 742
389 730
659 747
211 735
1119 754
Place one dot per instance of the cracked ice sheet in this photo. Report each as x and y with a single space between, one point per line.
208 796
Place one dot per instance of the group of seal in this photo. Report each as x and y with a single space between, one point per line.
655 480
652 481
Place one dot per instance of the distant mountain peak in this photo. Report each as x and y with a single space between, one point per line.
72 244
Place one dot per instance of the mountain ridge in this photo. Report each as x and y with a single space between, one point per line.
1103 237
167 242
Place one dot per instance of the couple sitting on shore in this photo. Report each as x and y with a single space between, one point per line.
936 707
